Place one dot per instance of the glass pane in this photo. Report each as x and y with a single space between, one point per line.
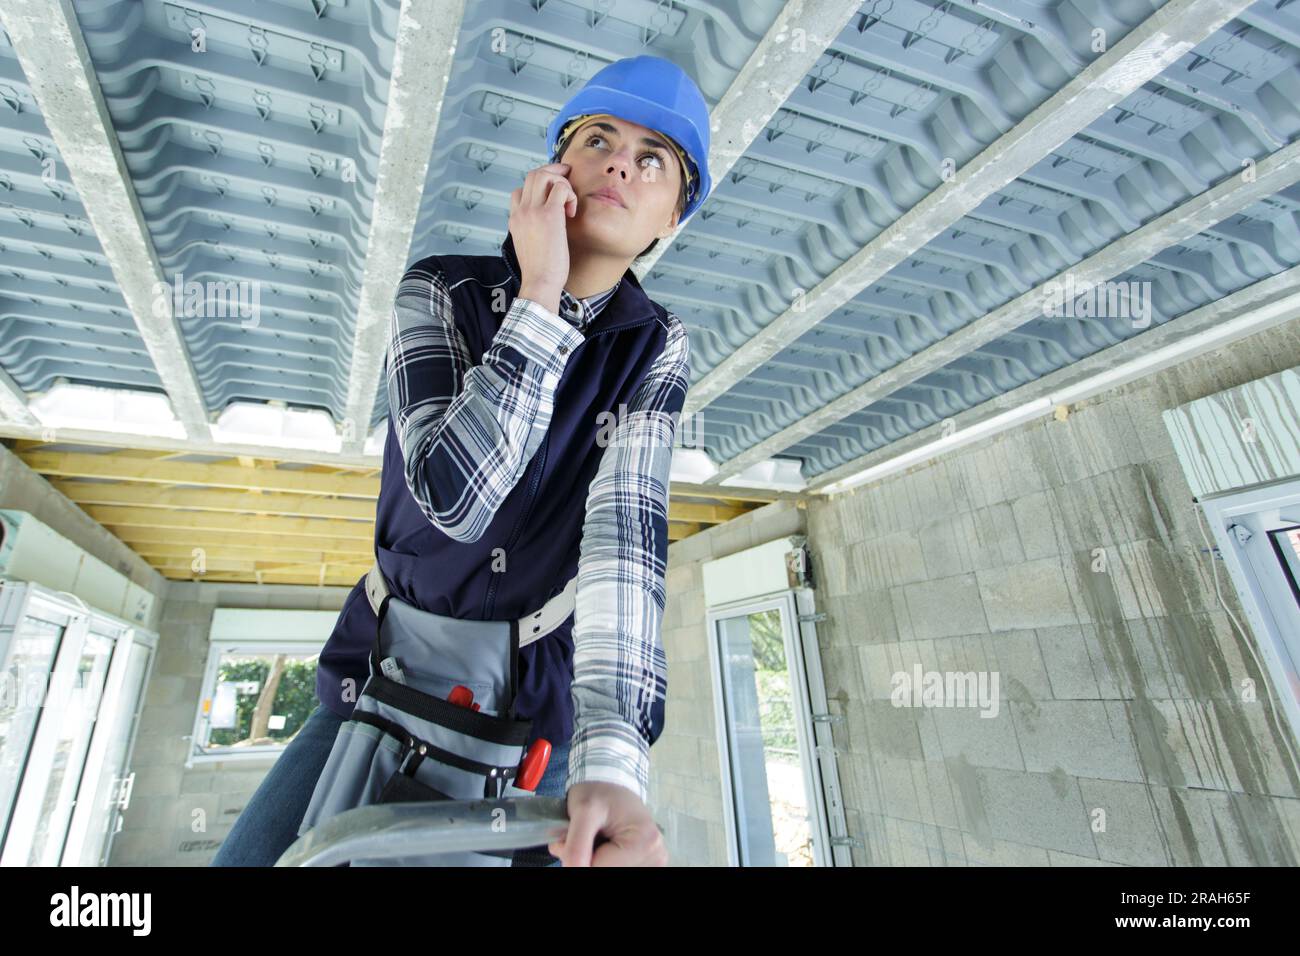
25 678
260 699
76 722
767 769
1286 542
107 789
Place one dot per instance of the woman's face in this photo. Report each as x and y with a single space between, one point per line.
639 165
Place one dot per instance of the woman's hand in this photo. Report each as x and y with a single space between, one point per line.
538 222
615 812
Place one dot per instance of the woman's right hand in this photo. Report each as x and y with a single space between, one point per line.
538 221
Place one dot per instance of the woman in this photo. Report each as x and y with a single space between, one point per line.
533 398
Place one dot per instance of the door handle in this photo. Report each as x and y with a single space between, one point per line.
127 785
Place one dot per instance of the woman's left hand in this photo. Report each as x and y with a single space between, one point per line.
616 813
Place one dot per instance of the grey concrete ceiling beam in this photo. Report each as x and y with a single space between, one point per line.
424 51
48 42
783 58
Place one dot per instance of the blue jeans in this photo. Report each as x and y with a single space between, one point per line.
269 823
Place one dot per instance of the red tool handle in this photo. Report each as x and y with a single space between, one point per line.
462 696
535 759
534 764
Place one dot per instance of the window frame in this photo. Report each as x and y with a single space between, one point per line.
198 754
1261 583
797 609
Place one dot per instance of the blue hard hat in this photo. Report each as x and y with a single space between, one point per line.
656 93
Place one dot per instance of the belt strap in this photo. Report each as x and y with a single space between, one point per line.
532 627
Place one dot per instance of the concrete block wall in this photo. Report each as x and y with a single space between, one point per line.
161 827
1064 556
685 778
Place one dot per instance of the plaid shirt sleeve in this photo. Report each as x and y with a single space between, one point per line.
467 432
620 671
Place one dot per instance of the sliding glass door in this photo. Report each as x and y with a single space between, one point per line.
30 636
73 677
107 785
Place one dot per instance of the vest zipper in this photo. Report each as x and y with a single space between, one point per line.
536 467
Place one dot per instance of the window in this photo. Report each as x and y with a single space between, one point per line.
1257 532
768 789
780 782
259 684
259 700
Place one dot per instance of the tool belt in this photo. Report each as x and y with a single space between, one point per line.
407 741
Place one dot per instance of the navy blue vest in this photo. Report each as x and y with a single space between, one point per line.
535 534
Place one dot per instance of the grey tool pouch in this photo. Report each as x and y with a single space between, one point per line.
405 741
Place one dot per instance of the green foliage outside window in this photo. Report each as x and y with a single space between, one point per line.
294 697
773 680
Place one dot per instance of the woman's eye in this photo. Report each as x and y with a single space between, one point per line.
655 156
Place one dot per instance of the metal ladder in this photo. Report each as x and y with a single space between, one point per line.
386 830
